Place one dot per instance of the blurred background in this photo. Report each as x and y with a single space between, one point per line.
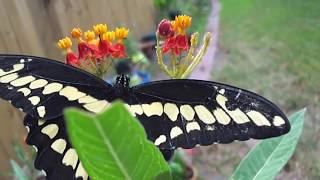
271 47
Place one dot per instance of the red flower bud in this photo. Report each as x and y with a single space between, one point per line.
72 59
182 42
165 28
176 44
169 44
87 50
105 48
119 51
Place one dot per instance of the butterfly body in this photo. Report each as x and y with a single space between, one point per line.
180 113
121 87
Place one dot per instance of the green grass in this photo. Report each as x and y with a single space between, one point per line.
273 47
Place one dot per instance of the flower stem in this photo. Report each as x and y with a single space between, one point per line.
196 60
160 58
188 58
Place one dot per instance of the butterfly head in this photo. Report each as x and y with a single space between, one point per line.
122 81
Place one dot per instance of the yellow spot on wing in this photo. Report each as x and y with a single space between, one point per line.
25 91
59 145
161 139
22 81
41 111
258 118
39 83
51 130
97 106
237 115
154 108
278 121
40 122
16 67
9 78
52 88
71 93
137 109
191 126
171 110
70 158
81 172
221 116
175 132
204 114
87 99
34 100
187 112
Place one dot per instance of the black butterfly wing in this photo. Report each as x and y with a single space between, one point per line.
55 155
186 113
43 88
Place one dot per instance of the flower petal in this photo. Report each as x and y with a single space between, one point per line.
182 42
72 59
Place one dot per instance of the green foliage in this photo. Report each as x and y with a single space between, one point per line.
279 41
18 172
160 3
113 145
267 158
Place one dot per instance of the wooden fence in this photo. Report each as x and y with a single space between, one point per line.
33 26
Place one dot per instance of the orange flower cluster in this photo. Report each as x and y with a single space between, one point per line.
96 45
173 33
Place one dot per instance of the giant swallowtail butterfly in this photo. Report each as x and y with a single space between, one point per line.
175 113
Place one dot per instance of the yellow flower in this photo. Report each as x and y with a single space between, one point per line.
121 33
76 33
99 29
89 36
65 43
181 23
109 36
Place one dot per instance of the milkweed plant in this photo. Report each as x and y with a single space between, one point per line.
127 153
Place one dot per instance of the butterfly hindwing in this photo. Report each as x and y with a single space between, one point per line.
55 154
185 113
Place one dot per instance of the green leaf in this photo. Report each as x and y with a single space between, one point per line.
268 157
113 145
17 171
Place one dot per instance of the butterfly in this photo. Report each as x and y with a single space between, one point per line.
177 113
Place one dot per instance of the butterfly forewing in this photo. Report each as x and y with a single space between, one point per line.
184 113
43 88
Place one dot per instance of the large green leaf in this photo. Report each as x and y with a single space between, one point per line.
268 157
113 145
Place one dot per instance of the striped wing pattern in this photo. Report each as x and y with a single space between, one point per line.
186 113
174 113
55 155
42 88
